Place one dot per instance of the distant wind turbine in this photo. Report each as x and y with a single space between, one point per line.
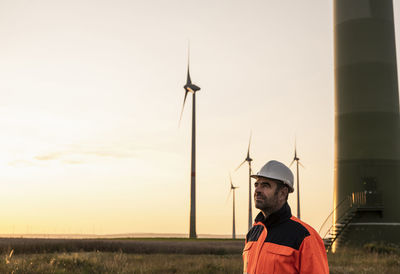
189 87
297 160
233 214
248 159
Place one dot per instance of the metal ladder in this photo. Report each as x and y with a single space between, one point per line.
338 228
353 203
331 231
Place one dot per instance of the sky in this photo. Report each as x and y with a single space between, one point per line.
90 98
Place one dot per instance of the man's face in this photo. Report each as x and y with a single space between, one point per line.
265 195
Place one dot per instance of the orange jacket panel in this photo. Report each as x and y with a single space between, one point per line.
282 243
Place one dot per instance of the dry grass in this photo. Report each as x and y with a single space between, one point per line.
120 256
360 260
138 246
166 256
118 262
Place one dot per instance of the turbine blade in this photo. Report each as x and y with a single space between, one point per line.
248 148
229 195
240 165
188 52
188 80
184 100
301 165
292 163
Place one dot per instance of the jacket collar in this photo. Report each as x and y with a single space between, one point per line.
277 217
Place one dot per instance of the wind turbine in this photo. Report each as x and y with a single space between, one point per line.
233 214
189 87
248 159
297 160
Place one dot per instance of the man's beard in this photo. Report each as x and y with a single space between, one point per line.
266 205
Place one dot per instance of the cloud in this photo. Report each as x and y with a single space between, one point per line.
77 154
49 157
21 163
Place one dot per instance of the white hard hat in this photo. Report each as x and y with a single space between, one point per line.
278 171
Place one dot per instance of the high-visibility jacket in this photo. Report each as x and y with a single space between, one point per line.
282 243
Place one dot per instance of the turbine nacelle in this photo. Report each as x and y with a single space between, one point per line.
232 186
191 88
247 159
295 158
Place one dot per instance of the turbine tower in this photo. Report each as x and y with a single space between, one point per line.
248 159
297 160
367 122
233 214
189 87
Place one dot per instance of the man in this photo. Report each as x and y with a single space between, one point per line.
279 242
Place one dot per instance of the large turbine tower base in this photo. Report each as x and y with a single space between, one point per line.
367 124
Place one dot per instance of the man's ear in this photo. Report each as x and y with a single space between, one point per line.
284 192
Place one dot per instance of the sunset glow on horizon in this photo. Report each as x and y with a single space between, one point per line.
91 94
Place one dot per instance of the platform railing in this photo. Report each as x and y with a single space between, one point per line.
330 230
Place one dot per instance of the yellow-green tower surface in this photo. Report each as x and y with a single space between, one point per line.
367 123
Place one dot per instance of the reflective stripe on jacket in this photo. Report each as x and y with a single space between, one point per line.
282 243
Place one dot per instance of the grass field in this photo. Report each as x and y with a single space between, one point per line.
164 256
129 245
118 262
361 260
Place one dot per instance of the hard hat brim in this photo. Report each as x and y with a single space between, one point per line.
255 176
